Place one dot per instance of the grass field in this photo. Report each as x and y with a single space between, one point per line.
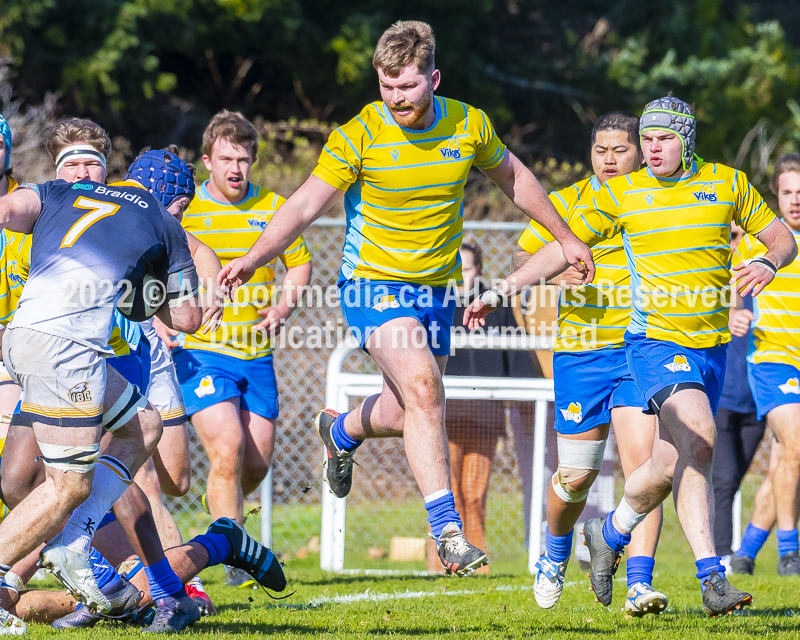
497 606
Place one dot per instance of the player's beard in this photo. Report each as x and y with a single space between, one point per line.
419 109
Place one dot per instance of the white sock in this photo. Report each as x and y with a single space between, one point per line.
111 479
627 518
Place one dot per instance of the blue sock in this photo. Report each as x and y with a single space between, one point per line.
103 573
558 548
640 569
752 541
162 580
705 566
340 437
441 512
614 539
787 541
217 545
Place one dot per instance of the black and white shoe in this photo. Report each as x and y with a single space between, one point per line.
720 597
456 554
339 467
743 565
249 555
604 560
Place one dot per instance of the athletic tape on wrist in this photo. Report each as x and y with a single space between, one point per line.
766 264
492 298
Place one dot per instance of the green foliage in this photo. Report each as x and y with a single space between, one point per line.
154 71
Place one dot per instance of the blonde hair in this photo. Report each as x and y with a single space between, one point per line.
404 43
74 130
233 127
785 164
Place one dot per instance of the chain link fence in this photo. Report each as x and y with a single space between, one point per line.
385 502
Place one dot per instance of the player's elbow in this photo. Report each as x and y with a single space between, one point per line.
187 317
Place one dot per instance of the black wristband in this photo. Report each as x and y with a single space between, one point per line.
765 263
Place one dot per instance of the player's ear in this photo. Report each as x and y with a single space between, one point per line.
206 162
435 79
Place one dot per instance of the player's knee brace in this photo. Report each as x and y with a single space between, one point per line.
127 405
80 458
576 460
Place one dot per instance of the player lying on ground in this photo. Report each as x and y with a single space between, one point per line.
589 348
402 164
774 373
677 334
74 244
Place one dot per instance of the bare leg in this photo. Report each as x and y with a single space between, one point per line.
148 481
136 519
784 421
635 433
259 444
222 435
22 473
415 378
172 462
764 504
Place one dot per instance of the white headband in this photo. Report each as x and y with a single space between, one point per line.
79 152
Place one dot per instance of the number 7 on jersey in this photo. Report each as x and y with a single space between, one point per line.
97 211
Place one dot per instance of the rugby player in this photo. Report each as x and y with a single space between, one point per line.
402 164
227 376
54 350
593 384
774 374
677 335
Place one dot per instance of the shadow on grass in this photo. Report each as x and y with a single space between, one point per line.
488 631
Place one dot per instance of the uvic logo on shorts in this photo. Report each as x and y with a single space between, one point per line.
80 393
573 413
386 302
206 387
679 363
792 385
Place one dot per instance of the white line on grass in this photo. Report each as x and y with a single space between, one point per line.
370 596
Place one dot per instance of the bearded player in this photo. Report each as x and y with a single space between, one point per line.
401 165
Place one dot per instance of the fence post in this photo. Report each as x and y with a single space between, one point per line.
266 509
537 484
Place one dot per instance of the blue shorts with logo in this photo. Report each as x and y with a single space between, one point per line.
210 378
367 304
658 364
135 366
773 384
588 384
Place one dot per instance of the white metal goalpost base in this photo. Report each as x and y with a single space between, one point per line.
341 386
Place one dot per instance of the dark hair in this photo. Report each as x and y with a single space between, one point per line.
786 163
477 254
618 121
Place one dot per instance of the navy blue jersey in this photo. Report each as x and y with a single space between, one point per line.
92 243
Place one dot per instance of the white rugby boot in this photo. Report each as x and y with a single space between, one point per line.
10 625
643 599
74 571
549 581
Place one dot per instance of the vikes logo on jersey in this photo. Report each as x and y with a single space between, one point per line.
707 194
80 393
255 223
452 151
678 363
386 302
573 413
206 387
792 385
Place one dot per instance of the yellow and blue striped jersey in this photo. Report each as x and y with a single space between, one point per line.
776 331
15 259
676 234
230 230
591 317
405 189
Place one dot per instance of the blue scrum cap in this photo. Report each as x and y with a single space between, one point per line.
5 131
164 174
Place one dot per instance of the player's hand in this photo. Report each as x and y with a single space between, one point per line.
166 334
751 276
579 256
569 279
212 316
235 274
739 321
273 321
475 314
